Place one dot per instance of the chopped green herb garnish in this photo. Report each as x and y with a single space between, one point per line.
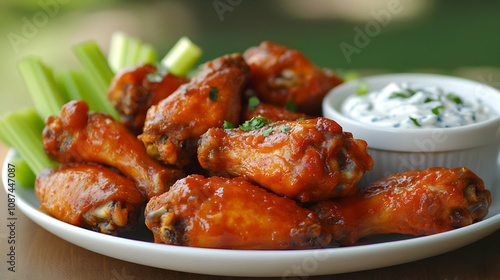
253 102
454 98
267 132
428 99
411 91
290 106
415 122
227 125
301 119
154 77
285 129
213 93
398 94
255 123
435 111
362 88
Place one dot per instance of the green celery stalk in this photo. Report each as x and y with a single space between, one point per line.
147 54
23 131
134 48
98 72
118 50
24 175
77 86
42 86
181 57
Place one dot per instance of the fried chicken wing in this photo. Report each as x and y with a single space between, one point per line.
280 75
272 112
172 127
306 160
79 136
90 196
132 93
226 213
416 202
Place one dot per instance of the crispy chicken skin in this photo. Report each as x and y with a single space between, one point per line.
308 160
79 136
415 202
272 112
90 196
280 75
226 213
172 127
132 93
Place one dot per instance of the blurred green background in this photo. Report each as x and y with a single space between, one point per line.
457 37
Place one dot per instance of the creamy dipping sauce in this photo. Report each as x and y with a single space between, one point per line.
403 106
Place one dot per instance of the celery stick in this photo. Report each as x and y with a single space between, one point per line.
98 72
23 133
42 86
134 47
181 57
147 54
77 86
118 51
24 175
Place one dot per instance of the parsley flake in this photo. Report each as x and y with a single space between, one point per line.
435 111
415 122
454 98
290 106
398 94
267 132
213 93
227 125
255 123
285 129
253 102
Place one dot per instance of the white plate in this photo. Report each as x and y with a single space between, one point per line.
380 252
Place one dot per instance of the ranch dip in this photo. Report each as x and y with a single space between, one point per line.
406 106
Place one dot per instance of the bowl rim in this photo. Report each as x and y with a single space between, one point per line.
416 139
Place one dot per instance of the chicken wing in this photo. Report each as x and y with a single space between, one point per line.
172 127
132 93
415 202
226 213
306 160
90 196
280 75
79 136
272 112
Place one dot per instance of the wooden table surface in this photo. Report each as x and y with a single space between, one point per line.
42 255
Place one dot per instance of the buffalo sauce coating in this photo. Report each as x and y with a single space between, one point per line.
70 190
415 202
132 93
79 136
174 125
218 212
280 75
307 160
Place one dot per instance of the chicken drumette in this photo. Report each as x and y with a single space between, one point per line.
90 196
272 112
308 160
173 126
226 213
132 93
416 202
280 75
79 136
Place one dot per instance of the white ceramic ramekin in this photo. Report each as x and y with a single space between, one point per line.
397 150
